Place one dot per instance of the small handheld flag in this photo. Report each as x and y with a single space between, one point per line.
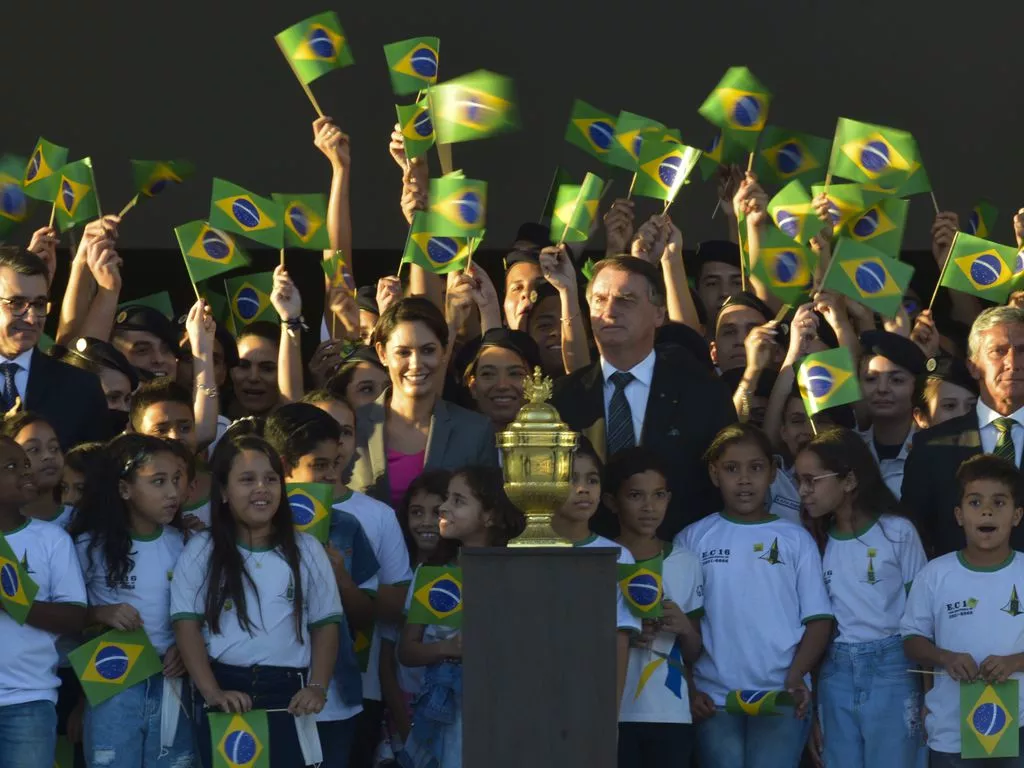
872 154
240 740
458 207
663 168
590 129
208 251
412 64
249 299
792 213
867 275
15 205
315 46
17 590
827 379
437 596
988 719
739 106
475 106
161 302
305 221
114 662
76 195
981 222
787 155
40 180
438 254
880 226
847 201
238 210
721 151
151 177
575 210
641 586
979 267
628 139
338 271
311 508
757 703
417 127
784 267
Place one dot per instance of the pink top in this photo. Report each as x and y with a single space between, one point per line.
403 468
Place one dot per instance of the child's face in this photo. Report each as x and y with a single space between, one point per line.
821 490
320 466
641 503
743 474
462 515
424 518
72 483
344 415
796 427
17 480
43 450
253 490
987 514
153 493
171 421
584 491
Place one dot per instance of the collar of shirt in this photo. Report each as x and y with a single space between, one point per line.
643 371
24 360
986 415
868 436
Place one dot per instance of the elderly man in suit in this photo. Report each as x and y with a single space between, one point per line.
996 426
638 395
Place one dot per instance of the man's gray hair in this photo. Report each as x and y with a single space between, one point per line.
988 320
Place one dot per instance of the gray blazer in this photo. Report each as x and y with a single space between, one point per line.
457 438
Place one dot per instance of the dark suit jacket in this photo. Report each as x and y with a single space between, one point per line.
686 408
930 491
457 439
71 399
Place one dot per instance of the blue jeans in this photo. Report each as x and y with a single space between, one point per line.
742 741
124 731
28 734
336 737
870 707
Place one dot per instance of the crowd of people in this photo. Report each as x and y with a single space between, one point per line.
828 563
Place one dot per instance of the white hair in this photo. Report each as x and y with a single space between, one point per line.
986 321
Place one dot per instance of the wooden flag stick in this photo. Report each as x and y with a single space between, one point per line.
305 87
131 204
401 263
934 202
632 184
814 427
282 257
334 317
936 673
53 213
750 163
938 283
717 206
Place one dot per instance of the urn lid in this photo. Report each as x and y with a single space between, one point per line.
538 415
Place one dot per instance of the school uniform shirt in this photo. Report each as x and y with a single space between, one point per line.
656 690
380 524
624 618
762 584
784 495
891 469
968 610
200 510
28 670
868 575
272 641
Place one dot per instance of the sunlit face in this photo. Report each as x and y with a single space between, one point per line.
948 401
146 352
520 282
463 517
117 388
988 514
346 418
40 444
887 388
998 366
153 492
321 465
424 521
414 359
584 491
641 503
20 334
255 376
17 480
368 381
253 490
734 325
621 311
822 491
743 474
497 384
171 421
546 329
796 429
715 283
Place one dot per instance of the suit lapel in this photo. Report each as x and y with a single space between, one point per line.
437 438
38 372
592 383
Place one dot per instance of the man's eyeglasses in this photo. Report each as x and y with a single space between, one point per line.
19 305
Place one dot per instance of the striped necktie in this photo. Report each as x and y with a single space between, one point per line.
620 416
10 394
1005 449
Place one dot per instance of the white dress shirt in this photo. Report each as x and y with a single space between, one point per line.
891 469
990 435
637 391
24 361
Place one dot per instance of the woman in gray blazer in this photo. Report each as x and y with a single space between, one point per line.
409 428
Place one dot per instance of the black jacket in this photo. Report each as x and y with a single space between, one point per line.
70 399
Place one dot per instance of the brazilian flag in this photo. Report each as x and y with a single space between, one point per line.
240 740
208 251
151 177
628 139
161 302
338 271
787 155
412 64
757 703
114 662
437 596
249 299
239 210
311 508
305 221
315 46
438 254
827 379
867 275
721 151
847 201
641 586
880 226
417 127
785 268
979 267
17 590
793 214
76 194
39 179
590 129
15 205
739 106
981 222
663 168
872 154
474 106
458 207
988 719
575 210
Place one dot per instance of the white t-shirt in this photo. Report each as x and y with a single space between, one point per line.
380 524
965 610
762 584
868 574
270 608
200 510
784 495
29 661
147 587
655 690
624 618
63 518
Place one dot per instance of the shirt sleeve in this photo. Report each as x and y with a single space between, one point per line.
409 592
66 582
810 582
911 554
394 557
320 592
918 617
188 584
364 562
691 583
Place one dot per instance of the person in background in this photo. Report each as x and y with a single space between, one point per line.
361 378
496 376
255 379
740 315
947 392
147 339
717 276
38 439
117 376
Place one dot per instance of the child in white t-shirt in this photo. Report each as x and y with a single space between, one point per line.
127 549
963 616
254 603
28 672
39 440
767 616
868 700
655 725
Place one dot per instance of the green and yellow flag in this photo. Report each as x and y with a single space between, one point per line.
757 703
438 254
475 106
981 222
867 275
590 129
880 226
114 662
240 740
315 46
412 64
417 127
793 214
151 177
979 267
311 508
437 596
15 205
628 139
161 302
339 271
458 207
305 221
665 166
988 719
872 154
785 268
739 106
575 210
76 195
218 308
208 251
721 151
847 201
40 179
641 586
827 379
249 299
787 155
238 210
17 590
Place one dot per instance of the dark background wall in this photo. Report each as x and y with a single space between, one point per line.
205 81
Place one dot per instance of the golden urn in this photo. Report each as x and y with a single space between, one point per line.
537 450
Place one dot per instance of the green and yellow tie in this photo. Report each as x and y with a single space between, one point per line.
1005 448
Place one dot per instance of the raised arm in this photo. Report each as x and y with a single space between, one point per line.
558 270
288 302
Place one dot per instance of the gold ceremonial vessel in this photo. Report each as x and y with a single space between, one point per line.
537 450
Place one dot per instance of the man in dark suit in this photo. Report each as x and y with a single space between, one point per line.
69 398
638 395
996 426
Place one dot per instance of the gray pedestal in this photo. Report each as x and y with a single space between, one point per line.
538 640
